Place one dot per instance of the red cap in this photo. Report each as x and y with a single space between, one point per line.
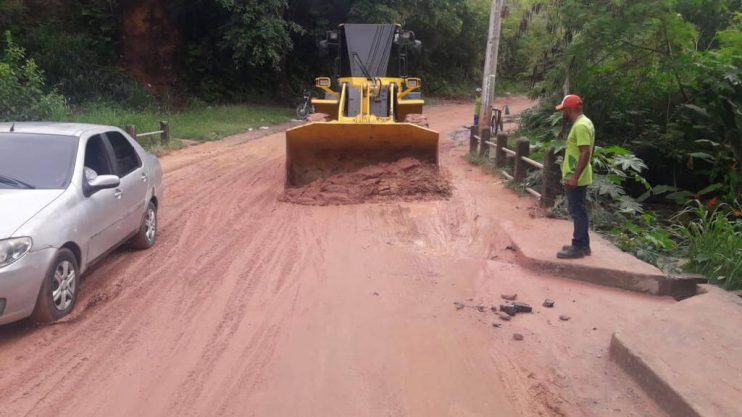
570 102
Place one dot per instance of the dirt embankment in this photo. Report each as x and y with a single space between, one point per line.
149 41
405 180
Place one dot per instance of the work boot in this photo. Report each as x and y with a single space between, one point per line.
571 252
587 250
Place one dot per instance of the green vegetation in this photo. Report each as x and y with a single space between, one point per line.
662 80
22 95
196 123
713 243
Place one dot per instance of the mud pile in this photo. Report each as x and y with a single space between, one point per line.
405 180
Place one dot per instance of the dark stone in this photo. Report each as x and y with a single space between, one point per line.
509 309
459 306
518 336
504 316
564 317
523 307
480 308
548 303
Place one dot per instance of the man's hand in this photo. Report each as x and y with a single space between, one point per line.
572 181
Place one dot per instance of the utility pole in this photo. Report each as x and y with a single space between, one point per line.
490 66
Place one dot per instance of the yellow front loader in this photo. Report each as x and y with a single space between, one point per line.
366 117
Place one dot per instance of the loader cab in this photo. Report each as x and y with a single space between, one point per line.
382 48
370 72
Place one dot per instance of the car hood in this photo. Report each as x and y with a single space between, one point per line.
19 206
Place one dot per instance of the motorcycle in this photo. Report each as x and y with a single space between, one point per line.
306 108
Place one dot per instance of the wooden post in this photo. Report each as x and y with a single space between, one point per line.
500 158
165 135
551 180
522 148
473 140
132 131
484 147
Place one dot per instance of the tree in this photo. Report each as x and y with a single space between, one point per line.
22 90
256 32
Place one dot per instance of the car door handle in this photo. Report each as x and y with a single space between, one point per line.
118 194
144 177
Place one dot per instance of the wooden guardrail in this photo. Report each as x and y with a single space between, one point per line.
164 132
521 162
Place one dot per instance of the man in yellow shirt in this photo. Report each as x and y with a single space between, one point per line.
577 174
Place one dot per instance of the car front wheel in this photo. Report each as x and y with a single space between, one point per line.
59 290
147 235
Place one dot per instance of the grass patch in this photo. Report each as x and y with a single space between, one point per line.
713 244
202 123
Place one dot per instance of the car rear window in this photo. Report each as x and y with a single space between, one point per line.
36 161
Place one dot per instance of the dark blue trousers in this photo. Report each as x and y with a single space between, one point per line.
577 201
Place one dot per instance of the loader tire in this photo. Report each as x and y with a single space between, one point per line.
318 117
417 119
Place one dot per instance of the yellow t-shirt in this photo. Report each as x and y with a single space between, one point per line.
581 134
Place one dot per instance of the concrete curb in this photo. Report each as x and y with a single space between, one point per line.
608 265
686 357
653 385
677 286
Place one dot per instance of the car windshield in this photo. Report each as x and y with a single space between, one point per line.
31 161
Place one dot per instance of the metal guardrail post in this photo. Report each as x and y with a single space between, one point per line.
473 140
500 157
484 147
132 131
165 135
522 148
550 182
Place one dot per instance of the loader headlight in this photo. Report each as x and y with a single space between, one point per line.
413 83
14 249
323 82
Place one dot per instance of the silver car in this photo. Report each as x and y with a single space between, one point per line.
69 194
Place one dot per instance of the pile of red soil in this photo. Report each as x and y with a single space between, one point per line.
405 180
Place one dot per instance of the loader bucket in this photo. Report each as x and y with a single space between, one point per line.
320 150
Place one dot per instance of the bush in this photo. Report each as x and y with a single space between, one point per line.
713 243
22 88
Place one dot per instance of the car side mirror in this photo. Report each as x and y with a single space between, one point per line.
103 182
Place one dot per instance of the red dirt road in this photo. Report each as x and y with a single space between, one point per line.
252 307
